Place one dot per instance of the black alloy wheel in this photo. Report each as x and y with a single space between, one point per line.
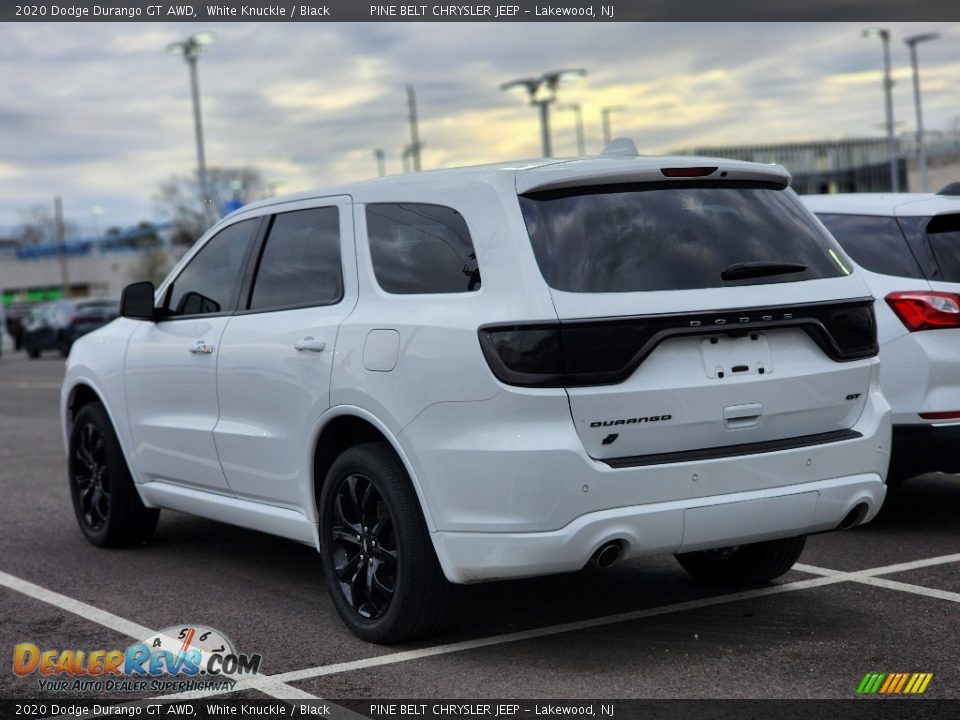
364 546
91 478
105 500
378 559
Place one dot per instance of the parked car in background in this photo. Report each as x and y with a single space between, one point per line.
907 248
16 315
57 325
494 372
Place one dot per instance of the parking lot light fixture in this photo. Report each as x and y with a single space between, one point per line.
605 114
884 35
542 92
191 48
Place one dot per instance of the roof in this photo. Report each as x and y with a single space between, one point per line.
884 204
541 174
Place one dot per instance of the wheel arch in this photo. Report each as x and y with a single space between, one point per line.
343 427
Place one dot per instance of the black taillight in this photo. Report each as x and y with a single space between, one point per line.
526 355
852 329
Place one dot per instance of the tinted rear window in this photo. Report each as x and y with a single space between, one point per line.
944 234
876 243
420 248
660 236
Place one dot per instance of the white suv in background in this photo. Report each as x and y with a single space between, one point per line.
908 249
494 372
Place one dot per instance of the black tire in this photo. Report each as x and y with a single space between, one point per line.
105 501
32 351
744 565
374 540
63 346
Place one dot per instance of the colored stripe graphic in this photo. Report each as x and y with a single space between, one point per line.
894 683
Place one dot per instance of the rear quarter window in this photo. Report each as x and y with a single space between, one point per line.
419 248
673 236
875 243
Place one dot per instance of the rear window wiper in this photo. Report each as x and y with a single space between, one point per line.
738 271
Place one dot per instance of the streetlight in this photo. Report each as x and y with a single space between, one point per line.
575 108
542 92
912 43
605 114
191 49
884 35
381 161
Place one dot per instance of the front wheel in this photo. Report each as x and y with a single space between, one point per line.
743 565
105 500
379 563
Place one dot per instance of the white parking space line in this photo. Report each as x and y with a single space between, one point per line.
21 385
87 612
277 685
883 570
266 684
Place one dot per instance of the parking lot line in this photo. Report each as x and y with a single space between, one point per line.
266 684
71 605
277 685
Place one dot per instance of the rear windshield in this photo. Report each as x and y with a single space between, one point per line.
662 236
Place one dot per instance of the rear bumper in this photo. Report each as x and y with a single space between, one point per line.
669 527
925 448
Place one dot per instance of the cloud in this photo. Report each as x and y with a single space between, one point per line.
99 113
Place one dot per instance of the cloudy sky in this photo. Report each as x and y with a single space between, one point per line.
100 114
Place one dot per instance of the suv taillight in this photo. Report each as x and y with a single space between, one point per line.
925 310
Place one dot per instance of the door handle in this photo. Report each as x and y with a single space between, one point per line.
201 348
310 344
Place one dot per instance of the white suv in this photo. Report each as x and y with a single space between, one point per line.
494 372
908 249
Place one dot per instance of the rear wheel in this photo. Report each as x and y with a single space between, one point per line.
378 560
105 500
741 565
63 346
32 351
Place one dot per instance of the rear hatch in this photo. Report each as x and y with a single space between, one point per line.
695 315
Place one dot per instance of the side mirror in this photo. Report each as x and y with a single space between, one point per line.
136 302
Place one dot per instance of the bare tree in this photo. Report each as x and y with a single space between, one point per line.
37 225
180 200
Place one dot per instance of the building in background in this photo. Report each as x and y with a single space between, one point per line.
832 166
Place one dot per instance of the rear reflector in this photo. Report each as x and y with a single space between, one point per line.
688 171
953 415
924 310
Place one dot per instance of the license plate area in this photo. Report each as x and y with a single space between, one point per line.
730 356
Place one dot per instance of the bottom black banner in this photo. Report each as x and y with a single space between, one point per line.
915 708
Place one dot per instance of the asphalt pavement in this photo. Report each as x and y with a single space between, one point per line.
881 598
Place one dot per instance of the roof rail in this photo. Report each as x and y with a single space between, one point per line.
620 147
951 189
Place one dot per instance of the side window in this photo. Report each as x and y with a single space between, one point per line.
419 248
876 243
300 264
211 280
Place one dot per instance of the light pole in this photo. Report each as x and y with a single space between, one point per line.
415 145
578 111
542 92
884 35
381 162
191 49
912 43
605 115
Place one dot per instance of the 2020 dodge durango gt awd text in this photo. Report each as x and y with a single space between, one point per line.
494 372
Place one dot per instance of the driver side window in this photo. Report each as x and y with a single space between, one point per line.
210 282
